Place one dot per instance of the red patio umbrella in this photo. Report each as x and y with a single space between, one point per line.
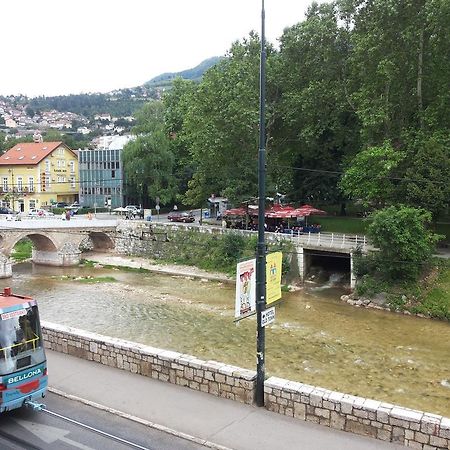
234 212
308 210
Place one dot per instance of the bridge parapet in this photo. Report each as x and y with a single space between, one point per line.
53 245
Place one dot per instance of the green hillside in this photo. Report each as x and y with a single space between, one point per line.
190 74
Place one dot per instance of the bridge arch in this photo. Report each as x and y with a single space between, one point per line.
41 242
97 241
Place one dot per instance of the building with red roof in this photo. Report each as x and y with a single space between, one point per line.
37 174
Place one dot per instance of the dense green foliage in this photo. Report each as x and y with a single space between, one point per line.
405 244
215 252
357 109
89 104
358 87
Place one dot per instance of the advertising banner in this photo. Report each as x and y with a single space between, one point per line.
273 277
245 288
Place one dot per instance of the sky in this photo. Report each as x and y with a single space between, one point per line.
59 47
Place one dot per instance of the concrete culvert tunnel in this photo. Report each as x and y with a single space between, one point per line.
325 267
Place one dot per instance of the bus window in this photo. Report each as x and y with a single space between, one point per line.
19 337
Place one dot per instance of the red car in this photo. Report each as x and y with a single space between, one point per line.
178 216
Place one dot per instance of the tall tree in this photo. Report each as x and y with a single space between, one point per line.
177 101
317 125
373 176
400 64
148 160
222 126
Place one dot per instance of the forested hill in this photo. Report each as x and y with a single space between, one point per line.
190 74
122 102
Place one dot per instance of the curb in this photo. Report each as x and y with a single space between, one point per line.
144 422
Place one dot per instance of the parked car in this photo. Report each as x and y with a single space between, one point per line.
39 213
75 206
4 210
178 216
60 205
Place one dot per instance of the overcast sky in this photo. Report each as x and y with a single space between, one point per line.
55 47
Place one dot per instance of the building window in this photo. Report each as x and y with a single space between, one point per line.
72 182
19 184
113 174
31 184
32 204
5 184
72 166
47 165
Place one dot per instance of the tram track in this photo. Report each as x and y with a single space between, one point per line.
42 408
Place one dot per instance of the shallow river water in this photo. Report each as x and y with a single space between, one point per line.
315 339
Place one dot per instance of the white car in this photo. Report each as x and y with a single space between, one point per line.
39 213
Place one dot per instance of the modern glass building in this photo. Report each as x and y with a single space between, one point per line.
102 175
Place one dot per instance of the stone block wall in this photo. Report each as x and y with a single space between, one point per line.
215 378
414 429
358 415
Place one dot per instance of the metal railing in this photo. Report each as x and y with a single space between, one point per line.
332 240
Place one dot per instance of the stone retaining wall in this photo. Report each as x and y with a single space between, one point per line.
213 377
358 415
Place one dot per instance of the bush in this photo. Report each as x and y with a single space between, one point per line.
405 243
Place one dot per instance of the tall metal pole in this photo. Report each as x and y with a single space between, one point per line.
261 248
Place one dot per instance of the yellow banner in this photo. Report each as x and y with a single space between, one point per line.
273 277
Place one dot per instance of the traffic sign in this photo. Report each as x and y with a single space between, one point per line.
267 316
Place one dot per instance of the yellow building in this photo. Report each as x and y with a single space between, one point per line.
35 175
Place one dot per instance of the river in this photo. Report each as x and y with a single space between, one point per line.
316 339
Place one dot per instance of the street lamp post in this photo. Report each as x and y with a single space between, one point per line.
261 248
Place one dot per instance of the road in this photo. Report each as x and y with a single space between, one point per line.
33 430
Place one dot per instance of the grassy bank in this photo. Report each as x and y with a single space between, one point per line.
347 225
434 297
430 296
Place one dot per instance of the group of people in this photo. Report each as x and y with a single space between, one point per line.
274 227
66 215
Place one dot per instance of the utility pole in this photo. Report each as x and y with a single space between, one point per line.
261 248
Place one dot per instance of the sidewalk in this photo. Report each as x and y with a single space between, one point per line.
222 423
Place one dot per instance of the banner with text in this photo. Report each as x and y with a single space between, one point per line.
245 288
273 277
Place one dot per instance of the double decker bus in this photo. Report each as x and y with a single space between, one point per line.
23 367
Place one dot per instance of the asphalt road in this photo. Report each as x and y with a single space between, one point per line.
30 430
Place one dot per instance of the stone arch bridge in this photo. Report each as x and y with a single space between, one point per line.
55 246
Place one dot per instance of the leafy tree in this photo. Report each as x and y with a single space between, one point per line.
405 243
30 111
148 160
316 127
372 175
221 126
426 180
177 102
399 64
